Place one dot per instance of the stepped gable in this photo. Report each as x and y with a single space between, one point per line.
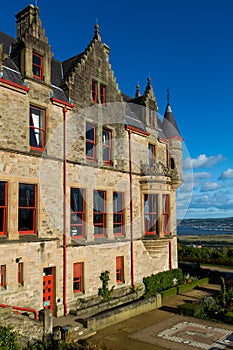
77 69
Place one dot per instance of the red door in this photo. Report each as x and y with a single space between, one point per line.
49 288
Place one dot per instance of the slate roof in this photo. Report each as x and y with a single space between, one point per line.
169 125
10 72
6 40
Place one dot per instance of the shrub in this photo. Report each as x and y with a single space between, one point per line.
229 317
155 284
8 339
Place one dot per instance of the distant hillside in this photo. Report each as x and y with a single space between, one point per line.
199 226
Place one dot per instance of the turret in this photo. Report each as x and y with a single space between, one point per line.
172 133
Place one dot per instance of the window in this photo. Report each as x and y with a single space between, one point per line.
37 128
107 146
119 269
102 94
151 213
77 217
78 277
20 273
90 142
151 155
165 200
37 65
118 213
94 91
99 213
27 209
98 92
3 276
3 207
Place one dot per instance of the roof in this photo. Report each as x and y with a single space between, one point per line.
11 72
169 125
6 40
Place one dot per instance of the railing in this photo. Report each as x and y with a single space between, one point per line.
16 309
159 169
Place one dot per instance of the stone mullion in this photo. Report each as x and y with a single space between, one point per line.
160 215
12 210
109 215
89 228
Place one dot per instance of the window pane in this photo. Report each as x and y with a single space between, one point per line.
26 220
76 200
90 150
2 193
90 133
26 195
36 128
99 201
36 60
1 219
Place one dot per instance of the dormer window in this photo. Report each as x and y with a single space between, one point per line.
37 65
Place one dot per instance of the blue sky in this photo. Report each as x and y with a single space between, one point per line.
182 45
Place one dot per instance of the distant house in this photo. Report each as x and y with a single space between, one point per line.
88 175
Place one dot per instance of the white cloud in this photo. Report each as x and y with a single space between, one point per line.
227 174
202 161
210 186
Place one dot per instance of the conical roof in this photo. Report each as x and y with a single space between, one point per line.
169 125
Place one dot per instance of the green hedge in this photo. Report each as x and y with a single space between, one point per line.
182 288
189 309
162 281
229 317
169 292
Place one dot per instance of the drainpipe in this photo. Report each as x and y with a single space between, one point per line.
64 211
131 211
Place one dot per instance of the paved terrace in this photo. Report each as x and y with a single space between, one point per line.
164 329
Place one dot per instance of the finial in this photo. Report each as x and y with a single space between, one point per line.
138 93
168 95
149 80
97 33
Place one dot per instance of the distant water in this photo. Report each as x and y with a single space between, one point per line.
192 231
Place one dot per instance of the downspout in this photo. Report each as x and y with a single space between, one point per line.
131 212
64 211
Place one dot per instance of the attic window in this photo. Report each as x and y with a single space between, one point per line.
37 65
98 92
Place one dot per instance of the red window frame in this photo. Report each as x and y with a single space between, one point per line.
120 269
151 155
3 207
99 213
151 214
102 94
37 128
77 215
118 213
27 209
94 91
20 273
78 277
37 65
165 201
107 146
3 276
90 142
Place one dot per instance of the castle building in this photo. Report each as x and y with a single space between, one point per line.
88 175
